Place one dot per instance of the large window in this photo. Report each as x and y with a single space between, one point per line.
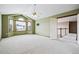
10 25
29 25
20 26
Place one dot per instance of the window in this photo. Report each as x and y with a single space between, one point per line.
20 26
21 19
29 26
10 25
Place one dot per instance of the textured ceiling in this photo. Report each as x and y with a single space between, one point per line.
43 10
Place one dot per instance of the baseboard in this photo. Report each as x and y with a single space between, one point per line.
43 35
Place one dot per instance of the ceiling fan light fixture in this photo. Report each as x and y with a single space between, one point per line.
34 13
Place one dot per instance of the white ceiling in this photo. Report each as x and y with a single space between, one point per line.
43 10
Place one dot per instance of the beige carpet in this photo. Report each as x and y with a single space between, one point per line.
34 44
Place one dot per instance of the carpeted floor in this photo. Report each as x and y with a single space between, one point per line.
35 44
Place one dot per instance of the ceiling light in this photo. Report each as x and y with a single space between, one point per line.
34 11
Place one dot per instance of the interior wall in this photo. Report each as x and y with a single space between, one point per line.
44 27
53 28
63 24
47 27
0 26
4 26
78 28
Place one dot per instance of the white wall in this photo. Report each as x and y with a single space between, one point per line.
70 18
44 27
0 27
47 27
53 28
78 28
63 24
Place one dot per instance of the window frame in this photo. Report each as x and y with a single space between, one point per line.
31 25
22 30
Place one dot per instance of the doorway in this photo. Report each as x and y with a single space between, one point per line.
67 28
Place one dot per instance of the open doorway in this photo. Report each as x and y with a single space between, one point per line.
67 28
